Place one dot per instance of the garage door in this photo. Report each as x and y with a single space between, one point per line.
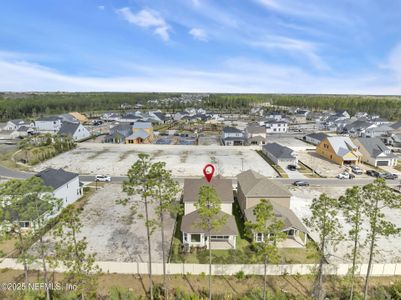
383 163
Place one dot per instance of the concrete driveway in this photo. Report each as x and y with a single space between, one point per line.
292 174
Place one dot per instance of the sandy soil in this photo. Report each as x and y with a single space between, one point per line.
183 160
389 249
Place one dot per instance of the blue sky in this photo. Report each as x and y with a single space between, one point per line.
277 46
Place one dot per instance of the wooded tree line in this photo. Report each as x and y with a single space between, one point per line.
34 105
385 106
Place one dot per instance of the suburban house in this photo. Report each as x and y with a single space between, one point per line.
118 133
142 133
50 124
339 149
74 130
279 154
255 134
377 130
314 138
21 132
232 136
13 125
193 235
66 185
275 126
375 153
110 116
252 187
357 128
274 115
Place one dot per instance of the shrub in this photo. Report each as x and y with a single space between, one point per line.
240 275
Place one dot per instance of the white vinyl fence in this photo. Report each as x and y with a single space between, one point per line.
197 269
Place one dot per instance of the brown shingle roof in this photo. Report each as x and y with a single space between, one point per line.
282 213
222 186
254 184
190 224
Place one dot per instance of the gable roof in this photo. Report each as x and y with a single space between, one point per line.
254 184
341 145
56 178
255 129
141 125
396 125
231 130
68 128
190 224
49 118
138 134
279 151
282 213
222 186
375 147
320 136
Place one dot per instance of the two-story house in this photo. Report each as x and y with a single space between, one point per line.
232 136
50 124
276 126
252 187
193 235
339 149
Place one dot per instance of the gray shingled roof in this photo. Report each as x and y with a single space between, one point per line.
254 184
320 136
142 125
138 134
231 130
222 186
190 224
279 151
56 178
282 213
375 147
68 128
50 118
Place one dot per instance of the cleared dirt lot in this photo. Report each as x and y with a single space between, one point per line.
183 160
389 249
112 235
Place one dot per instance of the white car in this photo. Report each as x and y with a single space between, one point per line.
103 178
345 175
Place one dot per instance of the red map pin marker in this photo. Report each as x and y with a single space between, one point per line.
208 171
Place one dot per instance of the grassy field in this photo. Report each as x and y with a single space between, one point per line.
132 286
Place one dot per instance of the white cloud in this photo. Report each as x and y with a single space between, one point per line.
293 46
237 75
101 7
147 18
198 34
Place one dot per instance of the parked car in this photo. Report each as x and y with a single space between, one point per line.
292 167
300 183
388 175
356 170
103 178
373 173
345 175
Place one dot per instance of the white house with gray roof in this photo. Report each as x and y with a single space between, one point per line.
76 131
50 124
375 152
232 136
65 185
279 154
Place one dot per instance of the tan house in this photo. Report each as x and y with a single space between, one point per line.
252 187
142 133
193 235
340 150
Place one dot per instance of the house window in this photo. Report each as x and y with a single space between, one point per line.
219 237
259 237
291 232
185 237
25 224
195 238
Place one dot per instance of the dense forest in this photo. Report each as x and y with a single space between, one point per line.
31 105
385 106
27 105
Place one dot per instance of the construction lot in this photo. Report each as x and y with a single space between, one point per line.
182 160
114 234
390 249
325 167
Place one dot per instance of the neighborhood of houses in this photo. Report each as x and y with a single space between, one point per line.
328 144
